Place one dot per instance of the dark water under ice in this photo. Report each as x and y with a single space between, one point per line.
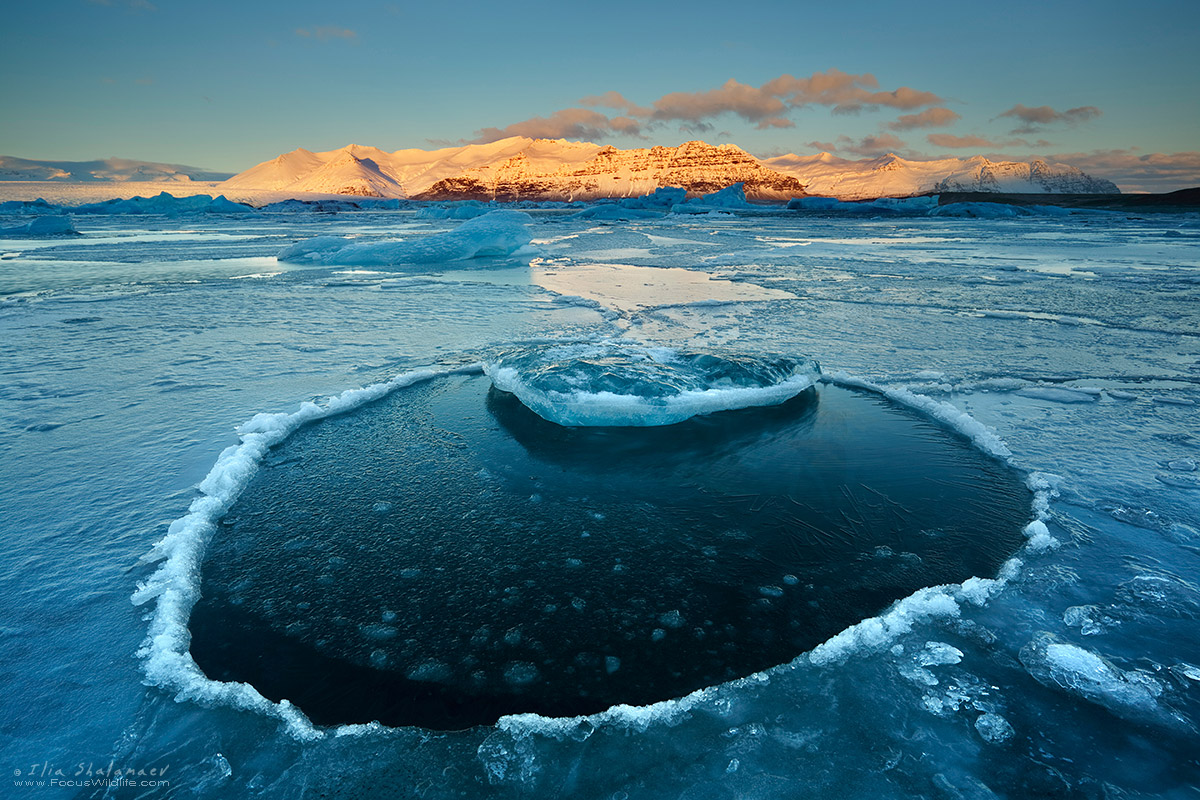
444 556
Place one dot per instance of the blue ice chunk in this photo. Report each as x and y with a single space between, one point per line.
165 203
498 233
614 212
467 209
662 198
997 211
629 384
41 227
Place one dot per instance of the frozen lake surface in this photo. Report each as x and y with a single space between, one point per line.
132 353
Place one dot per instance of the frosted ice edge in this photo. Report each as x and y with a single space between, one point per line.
168 664
175 585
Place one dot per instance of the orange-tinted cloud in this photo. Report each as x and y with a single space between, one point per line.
867 146
751 103
929 118
568 123
1036 118
765 106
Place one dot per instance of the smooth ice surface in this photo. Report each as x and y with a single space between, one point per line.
131 353
444 556
624 384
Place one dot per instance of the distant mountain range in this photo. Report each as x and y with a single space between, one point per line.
107 170
519 168
892 176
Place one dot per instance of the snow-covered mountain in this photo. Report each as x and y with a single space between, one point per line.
109 169
518 168
892 176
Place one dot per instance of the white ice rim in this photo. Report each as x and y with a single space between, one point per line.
175 584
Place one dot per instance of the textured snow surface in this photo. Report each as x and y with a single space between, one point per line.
132 351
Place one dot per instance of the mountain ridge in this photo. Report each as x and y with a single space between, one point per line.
107 170
520 168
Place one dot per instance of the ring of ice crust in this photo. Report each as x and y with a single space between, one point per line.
444 557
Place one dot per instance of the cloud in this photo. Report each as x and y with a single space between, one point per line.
765 107
824 147
1036 118
751 103
568 123
979 142
874 145
869 146
929 118
324 33
846 93
618 101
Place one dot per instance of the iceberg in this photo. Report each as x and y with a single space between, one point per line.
166 203
615 212
496 234
893 205
996 211
41 227
661 198
731 197
468 209
622 384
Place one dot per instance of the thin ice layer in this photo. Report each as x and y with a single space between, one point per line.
498 233
620 384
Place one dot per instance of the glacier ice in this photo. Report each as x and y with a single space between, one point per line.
661 198
1088 675
624 384
495 234
41 227
996 211
611 211
165 203
730 198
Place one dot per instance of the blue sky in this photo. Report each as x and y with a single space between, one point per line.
225 85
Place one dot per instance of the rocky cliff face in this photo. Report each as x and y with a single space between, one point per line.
695 166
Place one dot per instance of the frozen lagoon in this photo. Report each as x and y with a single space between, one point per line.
131 353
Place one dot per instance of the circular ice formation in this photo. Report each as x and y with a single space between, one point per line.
444 556
625 384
